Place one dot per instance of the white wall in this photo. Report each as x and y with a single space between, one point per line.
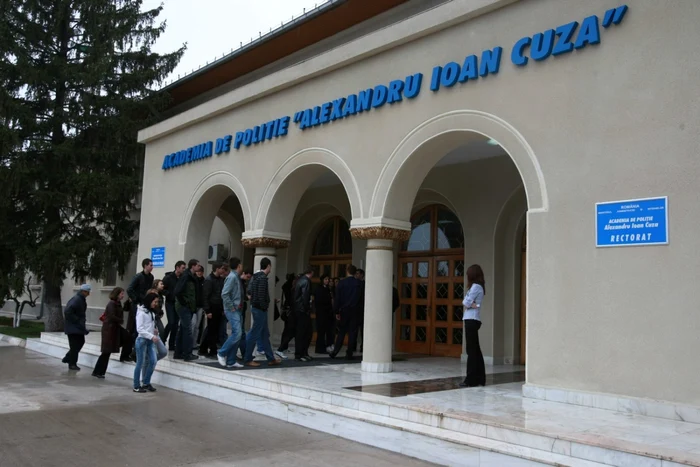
608 122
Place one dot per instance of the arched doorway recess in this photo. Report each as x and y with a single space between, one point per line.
332 249
431 284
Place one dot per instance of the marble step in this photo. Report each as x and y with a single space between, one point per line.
477 433
413 439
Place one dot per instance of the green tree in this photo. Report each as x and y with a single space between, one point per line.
78 79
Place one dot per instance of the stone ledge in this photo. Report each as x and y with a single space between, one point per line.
380 233
265 242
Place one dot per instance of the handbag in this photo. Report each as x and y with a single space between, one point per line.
103 317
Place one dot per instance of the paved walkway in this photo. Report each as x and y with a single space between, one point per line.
52 417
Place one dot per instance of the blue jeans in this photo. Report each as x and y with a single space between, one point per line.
259 333
230 347
146 359
183 343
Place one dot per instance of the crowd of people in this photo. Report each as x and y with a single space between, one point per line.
199 308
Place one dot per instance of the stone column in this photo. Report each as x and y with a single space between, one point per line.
267 248
377 334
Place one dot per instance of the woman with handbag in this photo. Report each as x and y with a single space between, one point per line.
114 335
146 344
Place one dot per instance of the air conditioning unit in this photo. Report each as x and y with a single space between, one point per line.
217 253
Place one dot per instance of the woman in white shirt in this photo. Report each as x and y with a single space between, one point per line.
146 356
476 289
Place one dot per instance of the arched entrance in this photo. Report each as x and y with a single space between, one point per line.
523 295
431 284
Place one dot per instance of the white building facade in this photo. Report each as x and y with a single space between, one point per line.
475 132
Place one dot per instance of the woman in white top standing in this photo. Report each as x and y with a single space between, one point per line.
476 288
146 356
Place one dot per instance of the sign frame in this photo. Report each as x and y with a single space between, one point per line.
635 200
158 250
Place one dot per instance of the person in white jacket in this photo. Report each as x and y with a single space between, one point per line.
146 357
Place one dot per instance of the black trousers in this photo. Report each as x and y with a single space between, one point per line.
211 338
76 343
289 332
171 327
349 324
303 334
476 370
325 329
127 342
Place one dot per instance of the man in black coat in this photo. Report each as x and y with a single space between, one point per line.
301 305
348 305
169 283
74 325
213 308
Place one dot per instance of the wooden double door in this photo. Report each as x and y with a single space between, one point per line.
431 290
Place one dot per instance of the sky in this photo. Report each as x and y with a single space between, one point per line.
213 27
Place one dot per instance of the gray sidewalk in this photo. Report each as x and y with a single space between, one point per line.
52 417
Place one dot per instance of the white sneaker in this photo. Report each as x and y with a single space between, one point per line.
235 365
239 355
222 360
259 354
281 355
330 349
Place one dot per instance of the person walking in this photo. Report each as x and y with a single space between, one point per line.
185 306
302 310
348 305
197 317
290 330
114 335
258 290
169 284
476 289
325 321
146 355
212 303
74 325
232 303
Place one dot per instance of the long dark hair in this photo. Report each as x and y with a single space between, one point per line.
475 275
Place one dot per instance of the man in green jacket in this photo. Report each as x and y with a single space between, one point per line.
185 307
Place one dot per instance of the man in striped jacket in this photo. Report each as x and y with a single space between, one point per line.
259 293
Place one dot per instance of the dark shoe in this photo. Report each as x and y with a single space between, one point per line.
349 357
139 390
308 357
98 376
149 388
74 367
127 360
132 356
464 384
333 354
190 358
65 360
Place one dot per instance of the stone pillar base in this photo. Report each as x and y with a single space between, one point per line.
371 367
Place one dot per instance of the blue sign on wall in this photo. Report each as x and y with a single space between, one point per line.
158 256
632 223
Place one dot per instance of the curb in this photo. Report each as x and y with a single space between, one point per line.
13 340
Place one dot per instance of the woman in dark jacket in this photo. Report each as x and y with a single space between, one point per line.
114 335
325 320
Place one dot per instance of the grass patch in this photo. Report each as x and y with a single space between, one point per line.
26 329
